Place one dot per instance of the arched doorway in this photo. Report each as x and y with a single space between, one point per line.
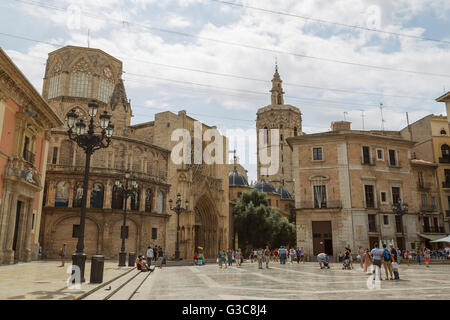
206 228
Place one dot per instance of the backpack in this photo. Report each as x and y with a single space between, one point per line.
387 255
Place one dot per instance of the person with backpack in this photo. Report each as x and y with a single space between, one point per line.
387 262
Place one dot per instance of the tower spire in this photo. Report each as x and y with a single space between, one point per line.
277 89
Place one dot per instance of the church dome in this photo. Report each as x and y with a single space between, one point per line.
285 195
236 179
265 187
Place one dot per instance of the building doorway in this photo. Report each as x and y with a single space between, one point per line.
372 241
322 237
16 231
400 243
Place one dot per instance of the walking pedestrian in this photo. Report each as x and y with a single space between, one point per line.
62 254
406 255
360 256
238 257
302 255
387 262
149 256
267 256
297 253
230 257
426 255
376 255
418 256
367 261
259 255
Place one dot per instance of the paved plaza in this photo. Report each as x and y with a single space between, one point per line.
298 282
44 280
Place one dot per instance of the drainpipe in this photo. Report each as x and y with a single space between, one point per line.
350 192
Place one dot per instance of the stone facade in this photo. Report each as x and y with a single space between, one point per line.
345 183
432 140
25 122
73 77
83 74
288 120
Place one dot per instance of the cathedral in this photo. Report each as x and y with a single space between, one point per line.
73 77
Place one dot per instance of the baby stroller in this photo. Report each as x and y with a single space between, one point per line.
346 263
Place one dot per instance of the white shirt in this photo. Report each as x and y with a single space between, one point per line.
321 255
150 253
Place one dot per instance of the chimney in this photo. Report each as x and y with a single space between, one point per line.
340 126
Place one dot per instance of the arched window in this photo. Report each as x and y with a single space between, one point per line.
117 199
80 82
160 202
148 200
445 149
266 135
97 196
62 194
77 195
443 132
279 99
295 131
135 201
54 87
106 85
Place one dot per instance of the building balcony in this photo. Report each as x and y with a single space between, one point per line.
446 184
373 228
433 229
368 161
394 165
447 213
444 160
331 204
423 186
29 157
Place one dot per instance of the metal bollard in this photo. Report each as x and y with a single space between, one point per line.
97 266
131 259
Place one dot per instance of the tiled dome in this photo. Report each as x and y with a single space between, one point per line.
285 195
265 186
236 179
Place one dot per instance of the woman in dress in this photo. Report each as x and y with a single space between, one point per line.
238 257
63 255
367 261
222 259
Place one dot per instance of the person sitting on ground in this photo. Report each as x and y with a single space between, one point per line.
195 258
321 258
140 264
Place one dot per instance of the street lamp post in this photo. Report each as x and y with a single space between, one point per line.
178 210
89 141
126 192
400 208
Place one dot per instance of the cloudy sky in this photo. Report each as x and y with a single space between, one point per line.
215 59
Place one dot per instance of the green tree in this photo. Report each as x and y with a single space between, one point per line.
258 225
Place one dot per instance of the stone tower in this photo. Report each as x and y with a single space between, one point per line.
288 120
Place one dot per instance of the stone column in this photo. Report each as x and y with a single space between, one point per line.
108 195
9 253
27 227
142 199
71 192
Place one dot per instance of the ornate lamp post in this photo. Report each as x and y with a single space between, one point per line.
126 192
178 210
89 141
400 208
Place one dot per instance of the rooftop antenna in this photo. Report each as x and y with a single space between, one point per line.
382 118
276 64
88 38
345 115
362 117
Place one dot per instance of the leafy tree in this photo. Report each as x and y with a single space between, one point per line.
258 225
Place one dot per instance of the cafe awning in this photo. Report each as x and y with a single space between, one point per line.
430 237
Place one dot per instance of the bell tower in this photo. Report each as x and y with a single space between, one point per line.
277 89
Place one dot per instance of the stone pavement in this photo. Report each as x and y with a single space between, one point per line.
304 281
45 280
